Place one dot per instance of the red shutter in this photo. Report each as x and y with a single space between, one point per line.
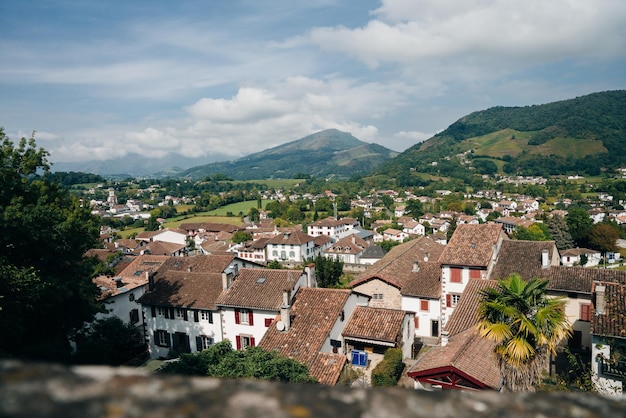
455 275
237 321
449 300
238 342
268 322
251 341
417 322
250 320
423 305
474 274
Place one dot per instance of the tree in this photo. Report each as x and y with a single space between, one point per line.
108 341
579 223
535 232
604 237
46 290
241 236
414 207
220 360
525 325
254 215
327 271
560 233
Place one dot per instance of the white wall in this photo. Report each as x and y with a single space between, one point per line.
425 318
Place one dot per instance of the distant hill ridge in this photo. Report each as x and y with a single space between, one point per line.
583 135
329 153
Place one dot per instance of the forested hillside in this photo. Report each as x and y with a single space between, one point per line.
583 135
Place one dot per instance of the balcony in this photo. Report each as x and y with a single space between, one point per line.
613 369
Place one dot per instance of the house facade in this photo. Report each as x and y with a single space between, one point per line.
293 246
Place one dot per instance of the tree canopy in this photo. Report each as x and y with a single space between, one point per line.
220 360
46 290
525 325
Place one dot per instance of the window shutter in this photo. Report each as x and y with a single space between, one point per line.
448 300
585 312
237 320
455 275
185 316
153 310
238 341
167 313
187 344
195 316
198 344
417 322
268 322
155 338
252 342
168 339
210 317
172 315
250 320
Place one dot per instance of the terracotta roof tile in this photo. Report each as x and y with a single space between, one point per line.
472 245
327 367
134 275
522 257
376 324
314 313
249 290
465 313
611 323
293 237
580 279
187 289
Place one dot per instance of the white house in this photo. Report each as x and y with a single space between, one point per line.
414 227
392 234
253 300
347 249
294 246
331 227
171 235
572 256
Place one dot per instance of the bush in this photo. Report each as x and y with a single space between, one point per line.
389 370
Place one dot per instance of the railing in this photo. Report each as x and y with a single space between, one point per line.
614 369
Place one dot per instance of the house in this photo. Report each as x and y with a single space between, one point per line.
252 301
171 235
180 308
470 254
413 227
597 215
293 246
399 211
120 294
347 250
331 227
371 255
310 329
573 256
464 360
510 223
391 234
608 330
394 329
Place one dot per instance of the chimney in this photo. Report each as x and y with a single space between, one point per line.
189 269
224 281
545 259
353 239
285 310
444 338
118 282
416 267
426 256
309 270
150 279
600 299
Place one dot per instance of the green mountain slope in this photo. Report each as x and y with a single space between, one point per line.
582 135
323 154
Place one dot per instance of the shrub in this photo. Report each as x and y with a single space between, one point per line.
389 370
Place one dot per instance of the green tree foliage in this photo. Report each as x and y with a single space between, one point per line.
414 207
254 215
526 325
274 265
241 236
108 341
535 232
603 237
560 233
579 224
389 370
327 271
220 360
45 282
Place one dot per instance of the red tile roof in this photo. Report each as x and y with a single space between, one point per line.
294 237
523 258
375 324
465 313
134 275
611 323
472 245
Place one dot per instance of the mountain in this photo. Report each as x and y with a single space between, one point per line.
322 154
135 165
584 135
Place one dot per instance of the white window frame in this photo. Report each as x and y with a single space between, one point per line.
180 313
206 341
206 316
244 318
160 311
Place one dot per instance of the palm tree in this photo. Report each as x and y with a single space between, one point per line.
526 326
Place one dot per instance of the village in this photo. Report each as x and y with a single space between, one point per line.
190 287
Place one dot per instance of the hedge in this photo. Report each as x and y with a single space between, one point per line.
389 370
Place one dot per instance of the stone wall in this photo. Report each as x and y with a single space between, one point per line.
43 390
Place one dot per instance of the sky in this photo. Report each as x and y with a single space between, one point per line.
98 80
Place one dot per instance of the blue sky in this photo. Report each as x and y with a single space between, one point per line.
222 79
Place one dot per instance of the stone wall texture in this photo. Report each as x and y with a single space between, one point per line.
44 390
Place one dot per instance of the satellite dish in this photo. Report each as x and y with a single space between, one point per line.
280 325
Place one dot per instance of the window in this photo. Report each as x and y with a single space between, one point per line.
474 274
585 312
452 299
160 311
206 316
275 253
377 296
244 341
244 317
203 342
162 338
131 297
134 316
268 322
181 314
455 275
423 305
292 254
